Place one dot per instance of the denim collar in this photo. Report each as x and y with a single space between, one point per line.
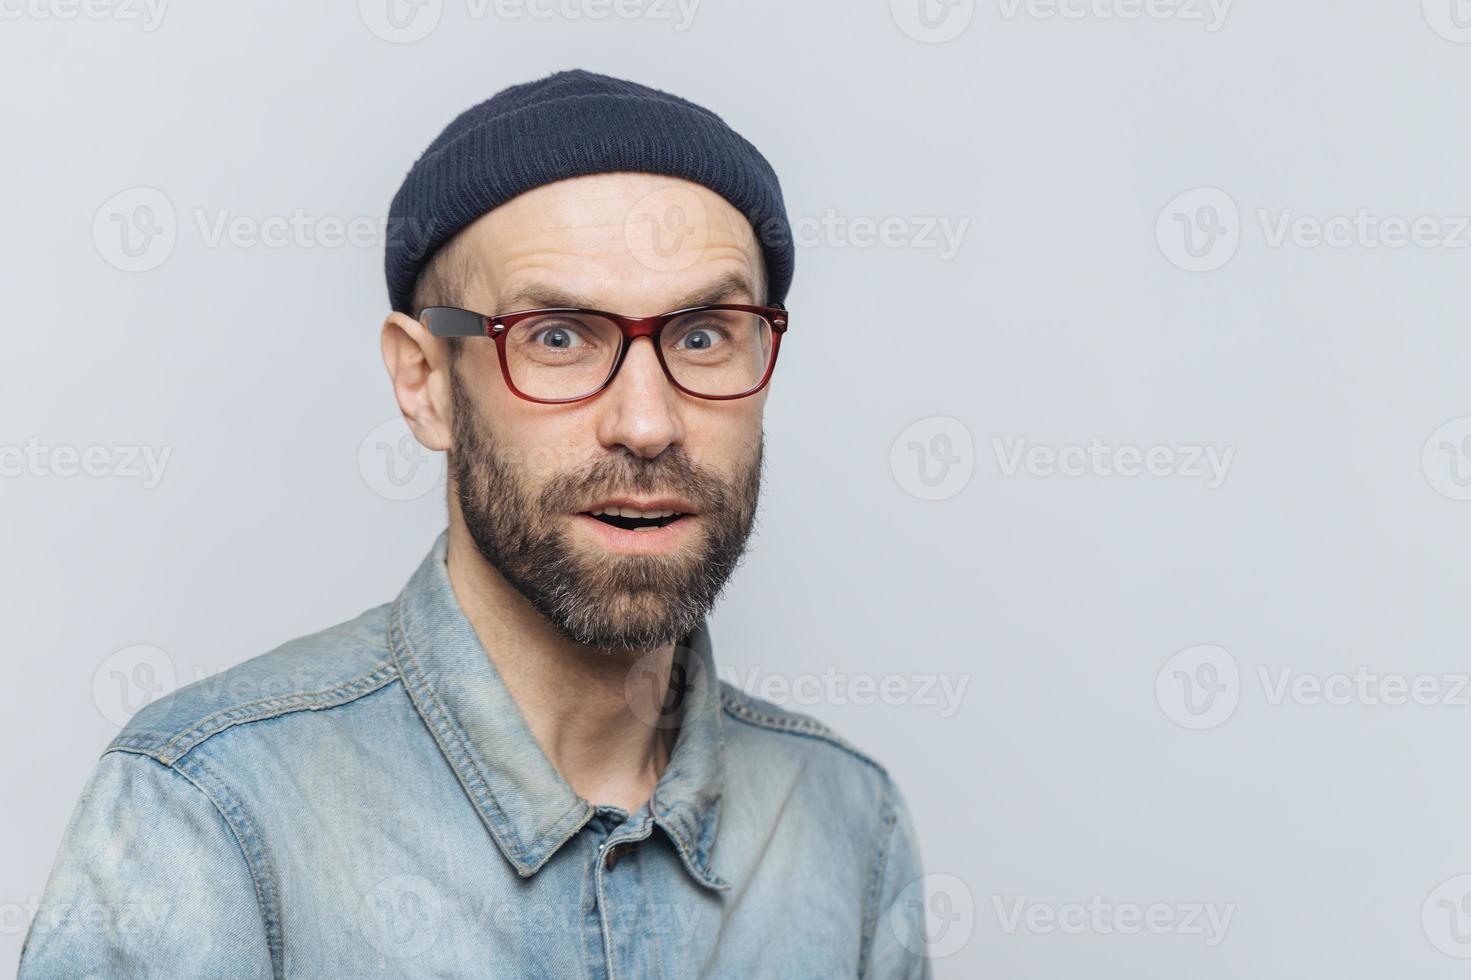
527 806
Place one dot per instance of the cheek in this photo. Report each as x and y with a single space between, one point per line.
541 442
726 440
479 370
476 391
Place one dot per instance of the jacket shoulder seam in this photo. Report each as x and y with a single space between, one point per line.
252 847
876 876
738 707
169 748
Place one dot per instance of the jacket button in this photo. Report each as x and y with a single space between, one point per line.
612 854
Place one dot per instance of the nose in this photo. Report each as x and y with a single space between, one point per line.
640 409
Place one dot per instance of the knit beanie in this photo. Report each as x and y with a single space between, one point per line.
570 124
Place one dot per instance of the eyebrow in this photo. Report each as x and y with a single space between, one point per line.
729 287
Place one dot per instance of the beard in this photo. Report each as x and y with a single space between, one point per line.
606 601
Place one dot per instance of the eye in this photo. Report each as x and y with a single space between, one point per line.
701 337
558 336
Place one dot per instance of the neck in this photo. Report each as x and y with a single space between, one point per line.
576 700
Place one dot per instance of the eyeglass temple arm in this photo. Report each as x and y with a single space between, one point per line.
446 321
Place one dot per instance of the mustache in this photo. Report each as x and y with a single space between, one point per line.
671 473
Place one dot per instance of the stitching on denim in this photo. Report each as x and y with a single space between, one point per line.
444 731
681 821
678 817
260 710
674 828
876 877
258 859
443 727
246 838
574 821
741 710
708 827
454 744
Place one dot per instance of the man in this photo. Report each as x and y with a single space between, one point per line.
525 765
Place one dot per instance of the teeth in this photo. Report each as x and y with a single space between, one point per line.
630 512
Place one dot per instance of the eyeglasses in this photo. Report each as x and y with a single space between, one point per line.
719 352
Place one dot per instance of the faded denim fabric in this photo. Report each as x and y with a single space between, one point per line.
368 801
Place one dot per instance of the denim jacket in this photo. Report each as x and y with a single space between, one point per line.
368 801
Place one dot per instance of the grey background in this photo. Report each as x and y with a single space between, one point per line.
1066 774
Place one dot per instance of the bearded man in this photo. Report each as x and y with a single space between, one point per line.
525 765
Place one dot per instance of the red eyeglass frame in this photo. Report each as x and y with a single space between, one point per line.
451 321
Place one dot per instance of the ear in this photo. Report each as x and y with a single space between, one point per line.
418 366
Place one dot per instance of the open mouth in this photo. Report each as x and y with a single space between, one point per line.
635 520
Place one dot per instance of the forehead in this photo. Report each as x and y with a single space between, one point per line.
630 243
